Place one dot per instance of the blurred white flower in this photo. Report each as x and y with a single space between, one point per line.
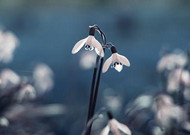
43 78
8 79
90 43
186 126
176 78
8 43
141 102
87 60
116 128
4 122
27 93
116 60
171 61
112 100
167 112
163 99
157 131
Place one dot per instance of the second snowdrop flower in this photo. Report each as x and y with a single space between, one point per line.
115 127
90 43
116 60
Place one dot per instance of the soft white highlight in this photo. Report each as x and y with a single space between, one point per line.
9 79
43 78
8 43
87 60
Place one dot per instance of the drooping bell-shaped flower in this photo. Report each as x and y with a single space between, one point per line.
115 127
90 43
116 60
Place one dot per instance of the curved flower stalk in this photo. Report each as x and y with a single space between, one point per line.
115 127
116 60
90 43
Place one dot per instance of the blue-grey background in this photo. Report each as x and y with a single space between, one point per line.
48 29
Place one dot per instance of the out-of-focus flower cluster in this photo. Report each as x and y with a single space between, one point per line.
164 112
20 111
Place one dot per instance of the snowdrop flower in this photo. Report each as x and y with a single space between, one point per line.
115 127
90 43
116 60
27 92
8 43
43 78
171 61
8 79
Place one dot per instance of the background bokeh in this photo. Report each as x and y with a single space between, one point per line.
140 29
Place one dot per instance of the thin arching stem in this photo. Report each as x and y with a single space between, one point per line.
94 92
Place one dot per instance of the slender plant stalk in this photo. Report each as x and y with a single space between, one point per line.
95 95
92 90
95 83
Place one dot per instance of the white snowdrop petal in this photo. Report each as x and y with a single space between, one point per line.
124 128
114 127
107 64
115 57
98 46
79 45
124 60
119 68
105 131
100 52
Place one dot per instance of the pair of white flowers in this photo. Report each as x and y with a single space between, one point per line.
90 43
